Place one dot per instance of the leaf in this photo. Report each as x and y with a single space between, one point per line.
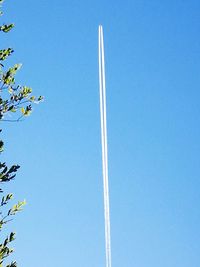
1 146
10 90
12 237
17 207
22 110
6 27
32 98
4 53
40 98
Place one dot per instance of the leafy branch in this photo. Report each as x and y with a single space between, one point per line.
16 103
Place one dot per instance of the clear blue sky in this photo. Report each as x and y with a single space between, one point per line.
153 94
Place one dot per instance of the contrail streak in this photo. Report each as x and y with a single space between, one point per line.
102 91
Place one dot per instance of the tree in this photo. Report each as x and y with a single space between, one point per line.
16 100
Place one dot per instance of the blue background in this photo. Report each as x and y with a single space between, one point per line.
152 76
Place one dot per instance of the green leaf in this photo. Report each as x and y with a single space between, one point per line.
17 207
6 27
12 237
22 110
32 98
40 98
1 146
4 53
10 90
8 77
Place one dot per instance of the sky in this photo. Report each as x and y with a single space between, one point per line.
153 112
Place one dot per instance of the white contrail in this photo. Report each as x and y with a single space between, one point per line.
102 91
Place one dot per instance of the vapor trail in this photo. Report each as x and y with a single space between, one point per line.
102 91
